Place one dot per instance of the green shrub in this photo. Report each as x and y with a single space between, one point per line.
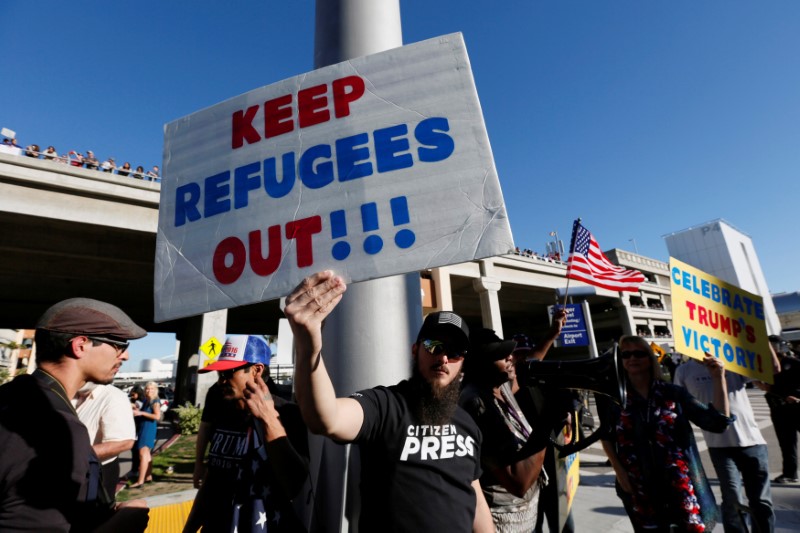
188 419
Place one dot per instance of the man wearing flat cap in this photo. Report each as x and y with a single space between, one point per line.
420 452
50 477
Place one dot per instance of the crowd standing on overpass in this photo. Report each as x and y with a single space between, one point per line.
82 160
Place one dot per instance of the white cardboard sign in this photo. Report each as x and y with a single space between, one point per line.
373 167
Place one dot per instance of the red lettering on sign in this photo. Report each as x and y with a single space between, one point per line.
301 231
228 274
264 266
278 116
701 316
346 91
231 255
313 107
718 321
242 126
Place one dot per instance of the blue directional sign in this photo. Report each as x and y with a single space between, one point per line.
574 332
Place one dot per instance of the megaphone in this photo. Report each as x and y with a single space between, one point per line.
602 375
598 374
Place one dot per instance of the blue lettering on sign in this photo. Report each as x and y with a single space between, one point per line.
712 291
369 221
405 237
341 249
314 168
373 243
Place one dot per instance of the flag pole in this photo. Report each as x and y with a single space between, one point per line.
571 250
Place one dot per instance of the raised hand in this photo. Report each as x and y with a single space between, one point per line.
310 303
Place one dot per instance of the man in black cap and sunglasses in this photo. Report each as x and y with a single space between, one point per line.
50 477
420 452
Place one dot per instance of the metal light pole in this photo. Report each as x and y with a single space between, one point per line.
557 246
367 339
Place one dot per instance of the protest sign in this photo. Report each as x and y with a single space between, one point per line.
710 315
373 167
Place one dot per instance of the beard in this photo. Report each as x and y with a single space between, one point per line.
435 404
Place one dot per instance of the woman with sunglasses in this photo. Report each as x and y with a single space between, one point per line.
147 417
660 477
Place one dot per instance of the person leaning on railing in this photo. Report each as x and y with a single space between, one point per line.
89 161
75 159
50 153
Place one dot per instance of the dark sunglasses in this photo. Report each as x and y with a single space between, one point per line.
121 346
228 374
638 354
435 347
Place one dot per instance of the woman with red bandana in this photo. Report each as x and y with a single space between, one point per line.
660 477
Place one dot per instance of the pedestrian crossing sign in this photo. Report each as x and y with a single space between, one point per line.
211 348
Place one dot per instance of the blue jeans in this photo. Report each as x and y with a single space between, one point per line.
752 463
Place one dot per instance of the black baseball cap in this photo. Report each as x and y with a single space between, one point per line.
445 321
486 345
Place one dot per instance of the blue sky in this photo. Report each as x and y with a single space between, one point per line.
641 117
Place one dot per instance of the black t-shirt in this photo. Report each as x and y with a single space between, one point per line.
415 477
245 471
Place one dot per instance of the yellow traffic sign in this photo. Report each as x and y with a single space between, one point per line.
212 348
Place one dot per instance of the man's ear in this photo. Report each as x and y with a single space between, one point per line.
78 346
258 370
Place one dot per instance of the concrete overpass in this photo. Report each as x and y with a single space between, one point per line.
70 232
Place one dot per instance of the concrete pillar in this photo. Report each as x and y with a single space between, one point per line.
625 316
189 385
487 288
368 336
444 293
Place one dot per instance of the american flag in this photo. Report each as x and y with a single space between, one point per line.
587 263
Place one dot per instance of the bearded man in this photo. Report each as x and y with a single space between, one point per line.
420 452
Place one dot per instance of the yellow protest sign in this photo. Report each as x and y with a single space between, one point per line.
710 315
211 348
571 464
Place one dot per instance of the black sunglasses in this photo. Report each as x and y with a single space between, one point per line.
121 346
435 347
228 374
638 354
